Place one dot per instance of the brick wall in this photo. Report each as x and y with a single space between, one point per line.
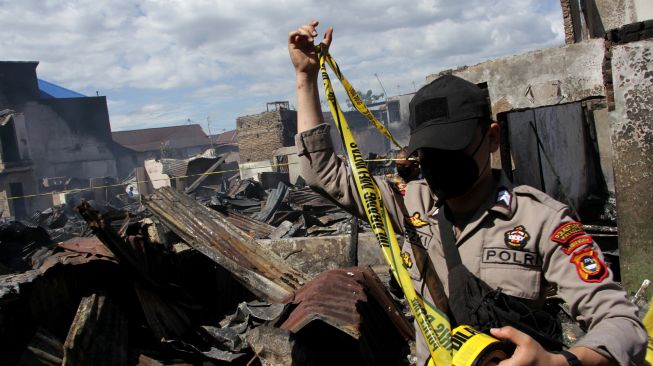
261 134
568 22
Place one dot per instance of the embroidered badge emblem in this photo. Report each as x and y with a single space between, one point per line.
576 243
589 266
517 238
405 257
567 231
415 221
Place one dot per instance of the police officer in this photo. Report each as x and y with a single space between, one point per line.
514 238
407 169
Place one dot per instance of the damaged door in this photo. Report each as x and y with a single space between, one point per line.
549 148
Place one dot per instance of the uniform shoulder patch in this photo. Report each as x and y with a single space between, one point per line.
416 221
517 238
406 259
567 231
575 243
588 265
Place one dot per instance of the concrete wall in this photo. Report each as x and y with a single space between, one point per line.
314 255
644 10
541 78
616 13
70 138
400 129
155 174
253 168
21 136
31 204
632 140
293 161
606 154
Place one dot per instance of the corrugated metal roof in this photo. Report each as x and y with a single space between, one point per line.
175 167
227 137
342 298
173 137
53 91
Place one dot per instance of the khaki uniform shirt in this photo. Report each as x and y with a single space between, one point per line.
519 240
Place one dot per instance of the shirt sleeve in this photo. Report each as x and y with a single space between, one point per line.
574 262
329 175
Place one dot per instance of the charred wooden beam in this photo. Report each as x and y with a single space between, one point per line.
44 349
98 335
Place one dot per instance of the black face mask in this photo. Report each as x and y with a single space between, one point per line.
405 172
451 174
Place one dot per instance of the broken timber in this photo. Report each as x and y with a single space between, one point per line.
207 231
98 335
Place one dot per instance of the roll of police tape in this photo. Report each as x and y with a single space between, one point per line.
474 348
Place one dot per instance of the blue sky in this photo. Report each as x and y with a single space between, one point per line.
160 63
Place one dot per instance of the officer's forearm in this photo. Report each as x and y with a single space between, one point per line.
309 112
589 357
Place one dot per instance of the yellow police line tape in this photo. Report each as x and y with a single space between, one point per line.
162 179
358 103
648 324
432 322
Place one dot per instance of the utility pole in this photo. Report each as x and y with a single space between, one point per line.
208 127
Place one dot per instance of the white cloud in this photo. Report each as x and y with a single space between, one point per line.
201 57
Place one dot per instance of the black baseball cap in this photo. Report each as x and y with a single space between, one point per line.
445 113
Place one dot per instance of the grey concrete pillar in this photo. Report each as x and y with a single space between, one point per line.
632 141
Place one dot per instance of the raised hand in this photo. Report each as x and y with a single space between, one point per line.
302 50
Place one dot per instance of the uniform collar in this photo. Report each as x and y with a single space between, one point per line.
502 201
504 198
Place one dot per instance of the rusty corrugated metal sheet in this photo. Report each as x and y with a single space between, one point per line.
174 167
342 298
89 245
253 228
354 302
78 251
152 139
204 229
308 197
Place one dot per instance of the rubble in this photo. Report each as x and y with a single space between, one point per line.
156 282
212 235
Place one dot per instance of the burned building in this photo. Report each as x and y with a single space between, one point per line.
48 132
260 135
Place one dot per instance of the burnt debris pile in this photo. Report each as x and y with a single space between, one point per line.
240 276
